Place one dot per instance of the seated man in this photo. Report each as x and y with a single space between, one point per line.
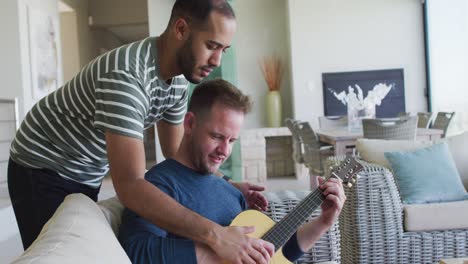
212 124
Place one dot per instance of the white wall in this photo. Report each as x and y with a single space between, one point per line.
316 37
87 47
93 40
448 53
15 66
70 44
159 12
262 30
122 11
340 35
10 52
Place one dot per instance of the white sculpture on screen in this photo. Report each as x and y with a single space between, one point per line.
360 107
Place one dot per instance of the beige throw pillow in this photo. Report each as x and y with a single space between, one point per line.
372 150
459 149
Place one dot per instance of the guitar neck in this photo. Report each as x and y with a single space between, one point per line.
280 233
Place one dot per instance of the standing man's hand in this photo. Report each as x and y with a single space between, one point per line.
234 246
252 193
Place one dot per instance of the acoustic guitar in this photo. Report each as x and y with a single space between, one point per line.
279 233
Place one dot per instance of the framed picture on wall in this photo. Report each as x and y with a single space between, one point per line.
337 82
43 41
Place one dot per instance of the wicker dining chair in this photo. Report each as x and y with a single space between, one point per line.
399 128
332 122
311 148
296 140
306 146
404 114
424 119
442 121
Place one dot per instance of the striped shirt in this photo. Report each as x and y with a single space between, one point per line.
119 92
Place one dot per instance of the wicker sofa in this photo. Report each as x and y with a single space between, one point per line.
82 231
372 228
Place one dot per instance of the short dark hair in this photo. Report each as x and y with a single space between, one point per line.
196 12
209 92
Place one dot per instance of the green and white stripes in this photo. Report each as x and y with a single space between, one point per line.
119 92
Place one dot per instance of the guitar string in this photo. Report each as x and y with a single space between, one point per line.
273 233
281 232
284 231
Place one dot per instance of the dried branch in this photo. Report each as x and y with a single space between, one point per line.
272 69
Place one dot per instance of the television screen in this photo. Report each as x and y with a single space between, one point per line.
337 82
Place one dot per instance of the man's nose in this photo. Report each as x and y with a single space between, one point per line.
215 59
224 148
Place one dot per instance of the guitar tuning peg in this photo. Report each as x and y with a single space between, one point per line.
349 184
353 180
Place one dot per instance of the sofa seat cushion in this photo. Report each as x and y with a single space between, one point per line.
436 216
78 232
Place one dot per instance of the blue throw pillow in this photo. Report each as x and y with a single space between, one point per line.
427 175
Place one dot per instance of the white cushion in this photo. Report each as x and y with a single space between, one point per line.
436 216
459 149
78 232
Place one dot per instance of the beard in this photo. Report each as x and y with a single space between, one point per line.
186 61
200 161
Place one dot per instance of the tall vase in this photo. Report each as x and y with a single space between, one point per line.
273 109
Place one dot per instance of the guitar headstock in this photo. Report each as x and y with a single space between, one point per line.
347 169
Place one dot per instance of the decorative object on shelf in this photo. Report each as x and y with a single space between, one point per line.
272 69
360 107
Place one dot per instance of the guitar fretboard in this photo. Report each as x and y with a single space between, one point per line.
280 233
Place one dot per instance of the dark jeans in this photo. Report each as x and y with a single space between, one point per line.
35 195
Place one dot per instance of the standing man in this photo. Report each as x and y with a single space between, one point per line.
94 124
212 125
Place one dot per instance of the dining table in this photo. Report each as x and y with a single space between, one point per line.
342 139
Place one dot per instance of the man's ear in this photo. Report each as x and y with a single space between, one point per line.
182 29
189 122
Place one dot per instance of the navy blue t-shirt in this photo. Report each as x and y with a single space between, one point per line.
207 195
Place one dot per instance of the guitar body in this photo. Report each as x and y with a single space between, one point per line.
262 224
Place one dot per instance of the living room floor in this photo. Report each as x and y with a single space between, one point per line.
10 241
